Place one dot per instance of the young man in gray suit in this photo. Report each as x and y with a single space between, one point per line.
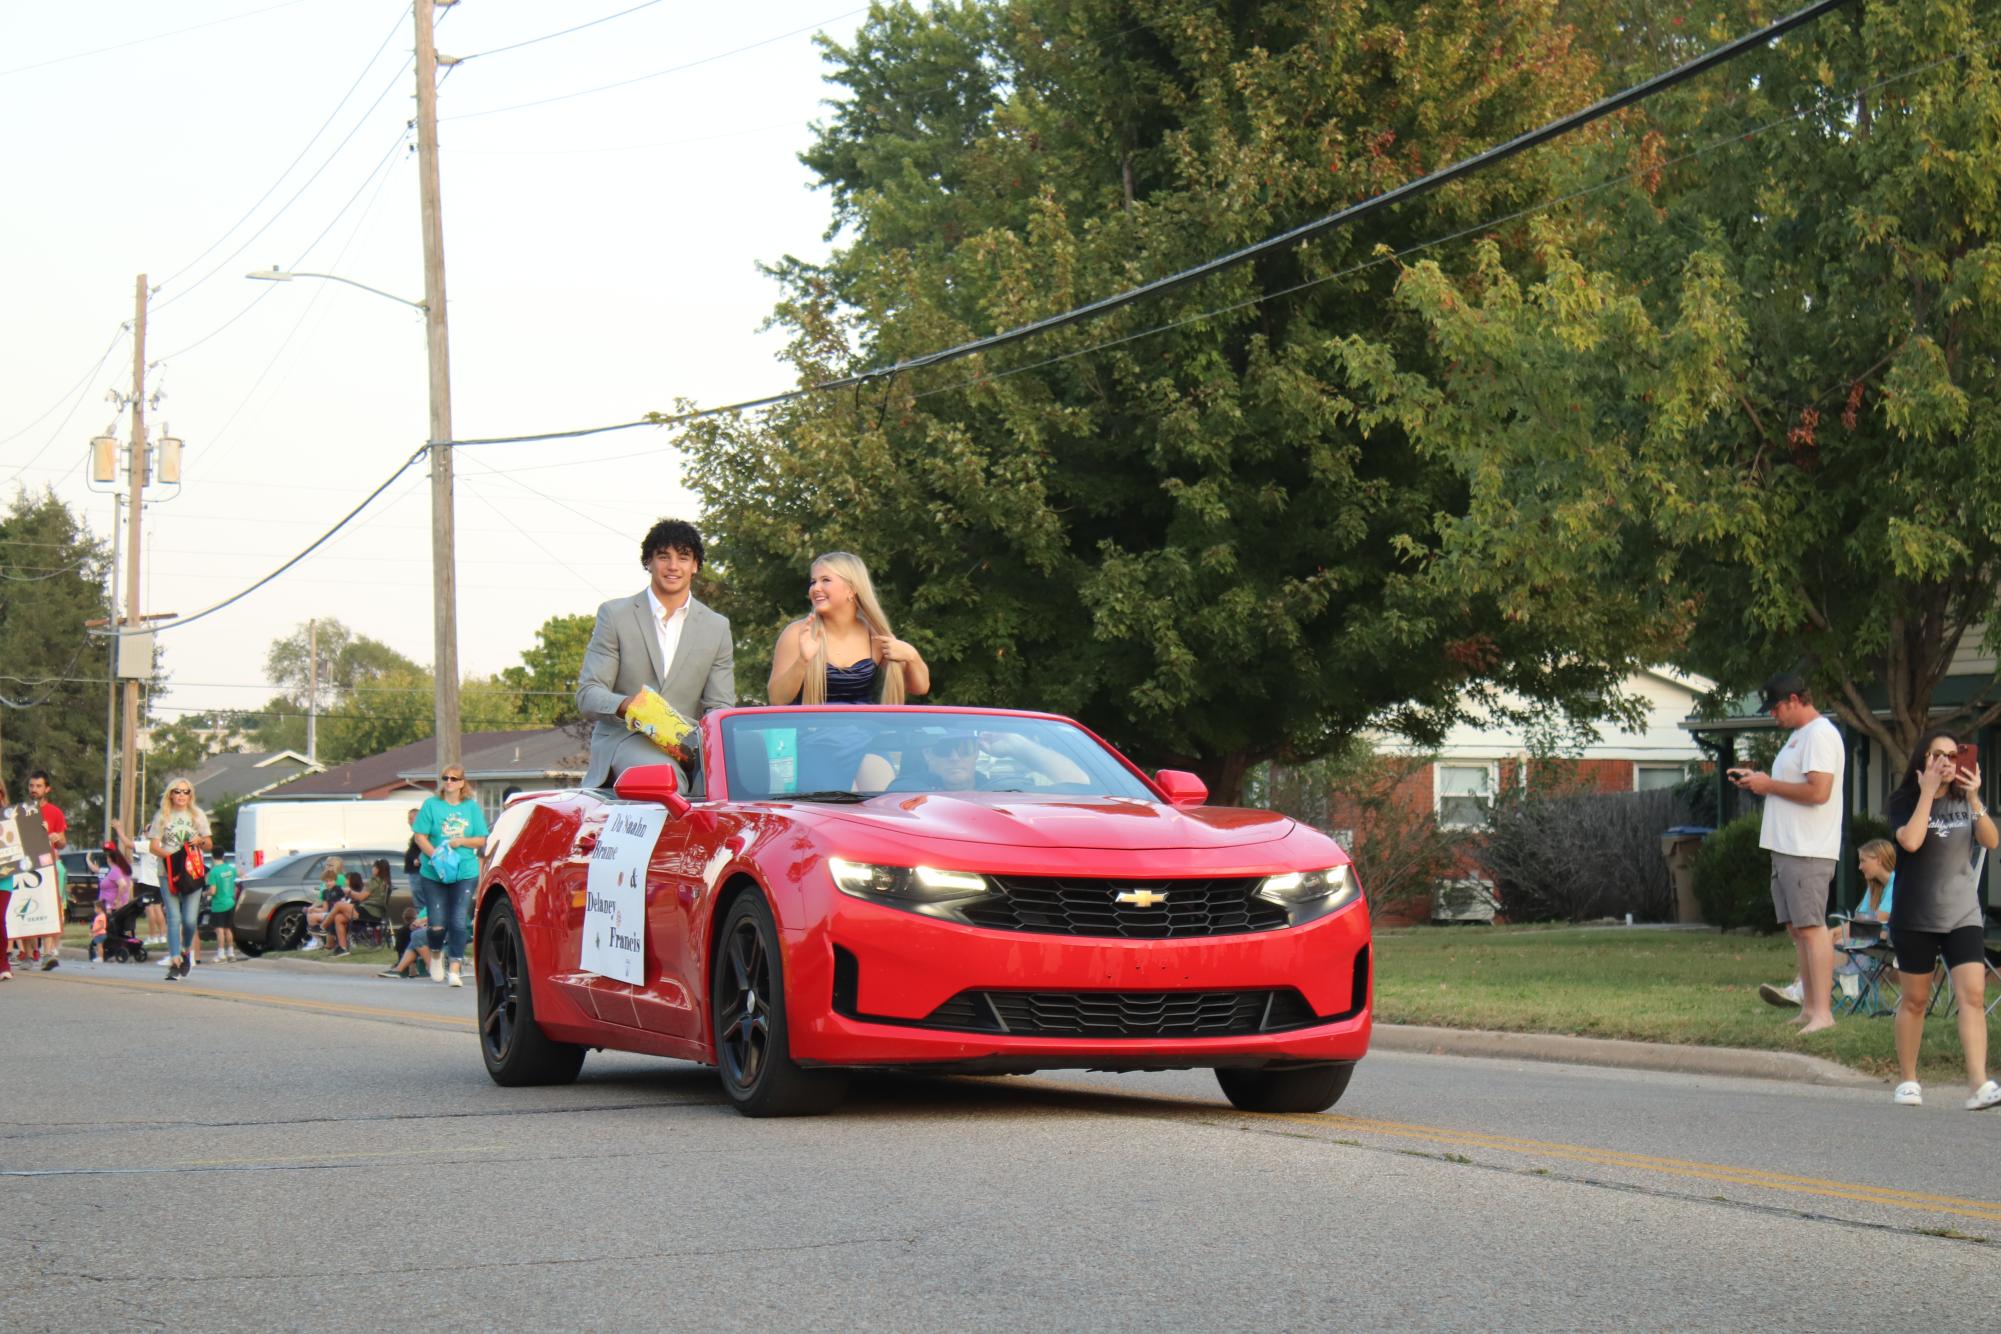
660 637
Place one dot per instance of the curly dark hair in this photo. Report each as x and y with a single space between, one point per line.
678 534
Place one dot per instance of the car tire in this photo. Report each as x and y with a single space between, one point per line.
288 927
747 1019
517 1052
1312 1088
250 948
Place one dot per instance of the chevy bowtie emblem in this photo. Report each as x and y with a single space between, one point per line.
1140 898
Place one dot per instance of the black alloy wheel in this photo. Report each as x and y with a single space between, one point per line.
1309 1088
747 1012
288 927
516 1051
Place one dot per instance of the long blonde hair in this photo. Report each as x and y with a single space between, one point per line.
849 568
167 804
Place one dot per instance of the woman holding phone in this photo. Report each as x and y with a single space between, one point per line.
1940 824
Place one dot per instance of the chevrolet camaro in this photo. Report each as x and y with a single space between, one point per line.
950 890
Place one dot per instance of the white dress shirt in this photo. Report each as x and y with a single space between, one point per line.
667 627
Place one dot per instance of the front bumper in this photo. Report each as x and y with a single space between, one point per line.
866 983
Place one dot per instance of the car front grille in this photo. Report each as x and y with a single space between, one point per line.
1123 1014
1082 906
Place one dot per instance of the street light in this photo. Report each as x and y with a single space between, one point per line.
277 275
444 583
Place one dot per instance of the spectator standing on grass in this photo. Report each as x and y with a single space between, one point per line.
222 907
451 830
1942 825
48 949
178 829
1802 831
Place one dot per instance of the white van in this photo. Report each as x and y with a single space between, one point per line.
266 830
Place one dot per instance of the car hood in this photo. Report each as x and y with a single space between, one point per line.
1017 820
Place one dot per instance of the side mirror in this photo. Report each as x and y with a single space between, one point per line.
653 782
1182 788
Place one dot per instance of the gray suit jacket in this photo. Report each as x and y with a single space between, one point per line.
624 654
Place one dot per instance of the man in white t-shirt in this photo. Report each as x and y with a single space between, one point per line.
1802 831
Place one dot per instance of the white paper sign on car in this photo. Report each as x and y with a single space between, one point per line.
615 894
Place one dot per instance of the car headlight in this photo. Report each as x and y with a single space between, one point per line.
906 886
1317 891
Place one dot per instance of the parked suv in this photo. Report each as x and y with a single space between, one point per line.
271 900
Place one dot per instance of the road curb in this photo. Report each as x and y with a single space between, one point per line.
1670 1058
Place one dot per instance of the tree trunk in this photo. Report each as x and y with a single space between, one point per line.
1225 775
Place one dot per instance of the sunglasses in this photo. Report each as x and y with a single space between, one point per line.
180 792
454 778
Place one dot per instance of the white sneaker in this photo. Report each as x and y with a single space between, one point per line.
312 943
167 962
437 969
1909 1094
1988 1095
458 981
1788 995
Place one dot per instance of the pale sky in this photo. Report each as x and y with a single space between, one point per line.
601 257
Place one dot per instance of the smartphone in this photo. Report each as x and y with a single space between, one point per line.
1966 759
1737 775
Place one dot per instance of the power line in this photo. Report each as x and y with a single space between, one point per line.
1308 231
63 397
1296 236
83 391
304 186
315 545
307 147
381 169
1425 184
155 37
656 74
551 36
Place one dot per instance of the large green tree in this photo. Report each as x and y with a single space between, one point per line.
52 670
1197 539
1748 405
544 683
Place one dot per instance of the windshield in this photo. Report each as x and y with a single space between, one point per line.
840 753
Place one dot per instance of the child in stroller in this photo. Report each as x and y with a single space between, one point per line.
121 943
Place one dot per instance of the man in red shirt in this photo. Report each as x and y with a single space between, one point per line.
47 948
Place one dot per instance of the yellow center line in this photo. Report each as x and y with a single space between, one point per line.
279 1002
1690 1169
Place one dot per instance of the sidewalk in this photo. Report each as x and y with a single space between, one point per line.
1669 1057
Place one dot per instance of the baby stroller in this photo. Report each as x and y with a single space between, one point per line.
121 942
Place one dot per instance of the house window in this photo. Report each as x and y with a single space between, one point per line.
1653 777
1465 791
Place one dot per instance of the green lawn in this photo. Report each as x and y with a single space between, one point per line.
1696 987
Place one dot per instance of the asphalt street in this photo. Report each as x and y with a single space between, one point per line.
288 1145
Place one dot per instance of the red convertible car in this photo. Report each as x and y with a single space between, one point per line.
935 889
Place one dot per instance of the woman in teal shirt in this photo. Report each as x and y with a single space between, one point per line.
450 832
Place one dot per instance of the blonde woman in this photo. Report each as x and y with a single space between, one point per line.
844 651
179 826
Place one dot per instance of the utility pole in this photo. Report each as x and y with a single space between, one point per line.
313 691
111 702
444 577
128 798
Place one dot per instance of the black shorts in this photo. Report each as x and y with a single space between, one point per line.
147 893
1919 951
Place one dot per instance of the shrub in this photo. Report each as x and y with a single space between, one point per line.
1576 855
1400 852
1733 877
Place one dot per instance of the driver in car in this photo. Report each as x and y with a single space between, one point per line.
949 761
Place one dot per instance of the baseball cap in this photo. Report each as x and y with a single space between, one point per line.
1778 687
